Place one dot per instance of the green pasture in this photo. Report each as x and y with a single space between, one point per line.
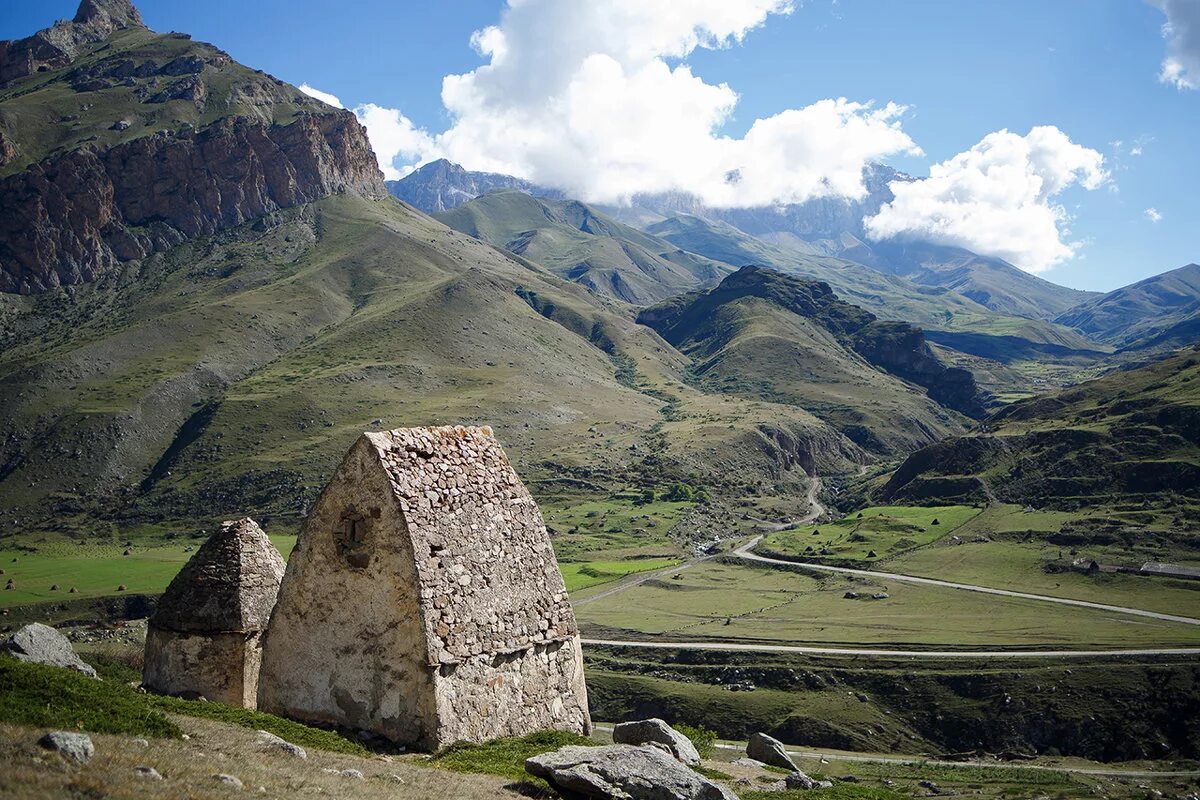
583 574
1022 566
871 534
729 602
96 570
613 528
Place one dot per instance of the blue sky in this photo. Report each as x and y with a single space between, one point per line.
963 70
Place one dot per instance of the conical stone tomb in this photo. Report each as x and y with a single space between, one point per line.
205 638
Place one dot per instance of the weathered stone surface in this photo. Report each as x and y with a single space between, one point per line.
625 772
41 644
56 46
423 601
69 219
74 746
232 781
657 731
770 751
272 742
149 773
205 637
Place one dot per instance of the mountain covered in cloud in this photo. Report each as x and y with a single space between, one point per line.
826 226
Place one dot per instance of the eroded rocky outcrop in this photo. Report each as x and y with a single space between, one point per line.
69 219
56 46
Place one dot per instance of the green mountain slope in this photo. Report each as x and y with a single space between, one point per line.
229 375
888 296
1131 435
1134 314
582 245
761 333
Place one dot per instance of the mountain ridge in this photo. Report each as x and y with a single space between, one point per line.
132 143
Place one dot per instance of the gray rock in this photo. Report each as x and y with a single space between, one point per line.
273 742
149 773
74 746
352 773
229 780
623 771
798 780
769 751
41 644
141 742
656 731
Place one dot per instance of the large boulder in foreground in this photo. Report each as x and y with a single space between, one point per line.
657 732
41 644
623 771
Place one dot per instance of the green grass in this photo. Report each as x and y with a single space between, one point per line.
616 527
294 732
733 602
582 575
879 530
506 756
52 697
96 570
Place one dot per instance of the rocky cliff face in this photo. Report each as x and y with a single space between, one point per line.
901 349
134 142
69 219
56 46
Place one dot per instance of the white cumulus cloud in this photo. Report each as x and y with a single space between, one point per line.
998 198
394 139
592 96
1153 214
1181 67
324 97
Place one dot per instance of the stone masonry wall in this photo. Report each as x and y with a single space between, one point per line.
540 687
423 600
222 667
489 582
345 644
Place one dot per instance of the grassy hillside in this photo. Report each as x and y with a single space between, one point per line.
228 376
885 295
580 244
1130 436
1140 312
764 334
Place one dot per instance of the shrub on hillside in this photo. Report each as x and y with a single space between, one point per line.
701 738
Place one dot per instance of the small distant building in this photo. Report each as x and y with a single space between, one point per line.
1158 568
423 601
205 637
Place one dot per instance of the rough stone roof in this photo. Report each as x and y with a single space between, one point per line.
230 584
489 582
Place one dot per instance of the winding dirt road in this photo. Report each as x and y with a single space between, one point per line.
746 552
738 647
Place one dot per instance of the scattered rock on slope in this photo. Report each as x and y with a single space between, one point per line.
623 771
770 751
41 644
656 731
74 746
